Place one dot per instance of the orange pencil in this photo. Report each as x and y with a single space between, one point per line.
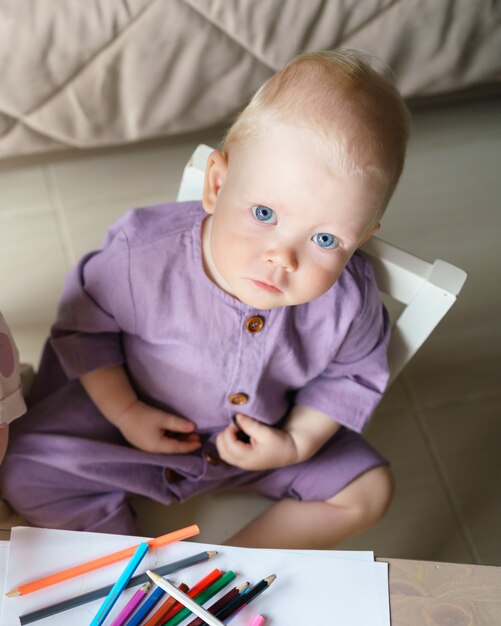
168 609
90 566
167 605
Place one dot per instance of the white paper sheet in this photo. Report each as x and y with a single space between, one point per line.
4 556
320 588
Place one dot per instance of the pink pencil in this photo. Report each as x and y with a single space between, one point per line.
131 605
258 621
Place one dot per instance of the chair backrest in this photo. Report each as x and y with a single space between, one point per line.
426 290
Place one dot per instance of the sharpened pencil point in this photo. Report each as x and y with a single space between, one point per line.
13 593
212 553
270 579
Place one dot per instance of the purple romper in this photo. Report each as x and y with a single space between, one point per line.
144 301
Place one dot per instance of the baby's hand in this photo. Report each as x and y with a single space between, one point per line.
157 431
268 447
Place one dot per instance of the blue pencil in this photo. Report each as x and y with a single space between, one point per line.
147 606
120 585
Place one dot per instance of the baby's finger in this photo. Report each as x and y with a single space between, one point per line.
178 424
192 437
240 434
175 446
225 437
181 436
225 443
251 427
233 445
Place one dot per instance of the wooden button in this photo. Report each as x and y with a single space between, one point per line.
255 324
239 398
210 458
171 475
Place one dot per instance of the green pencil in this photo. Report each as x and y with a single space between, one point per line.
202 598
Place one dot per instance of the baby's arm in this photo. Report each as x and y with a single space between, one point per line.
309 430
304 433
144 426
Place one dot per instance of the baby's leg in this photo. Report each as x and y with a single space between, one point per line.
52 498
322 525
59 468
340 492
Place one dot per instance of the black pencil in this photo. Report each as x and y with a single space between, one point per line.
244 598
164 570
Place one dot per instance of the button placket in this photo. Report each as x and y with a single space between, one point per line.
249 361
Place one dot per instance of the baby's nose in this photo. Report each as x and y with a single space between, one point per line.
284 257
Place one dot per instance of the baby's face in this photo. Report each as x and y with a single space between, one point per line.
283 225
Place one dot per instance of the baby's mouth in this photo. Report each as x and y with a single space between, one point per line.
266 286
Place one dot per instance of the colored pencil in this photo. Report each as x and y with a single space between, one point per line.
170 602
202 598
219 604
147 607
90 596
166 612
258 621
154 598
120 585
244 598
90 566
172 590
131 605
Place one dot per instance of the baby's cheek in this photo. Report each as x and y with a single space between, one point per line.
322 280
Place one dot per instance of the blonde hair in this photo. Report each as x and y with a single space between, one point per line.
342 97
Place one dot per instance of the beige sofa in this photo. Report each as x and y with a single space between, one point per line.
88 73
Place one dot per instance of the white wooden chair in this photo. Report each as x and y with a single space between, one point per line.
426 291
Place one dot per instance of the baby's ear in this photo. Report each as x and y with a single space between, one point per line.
215 175
369 234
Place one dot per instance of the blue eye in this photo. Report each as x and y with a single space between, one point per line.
325 240
264 214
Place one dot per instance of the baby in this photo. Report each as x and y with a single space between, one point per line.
237 343
12 403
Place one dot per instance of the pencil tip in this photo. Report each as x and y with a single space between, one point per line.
212 553
270 579
13 593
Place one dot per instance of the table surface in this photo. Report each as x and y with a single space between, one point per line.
426 593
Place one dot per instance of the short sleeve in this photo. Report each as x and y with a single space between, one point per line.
351 386
12 403
96 307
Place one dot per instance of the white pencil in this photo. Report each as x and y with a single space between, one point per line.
180 596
